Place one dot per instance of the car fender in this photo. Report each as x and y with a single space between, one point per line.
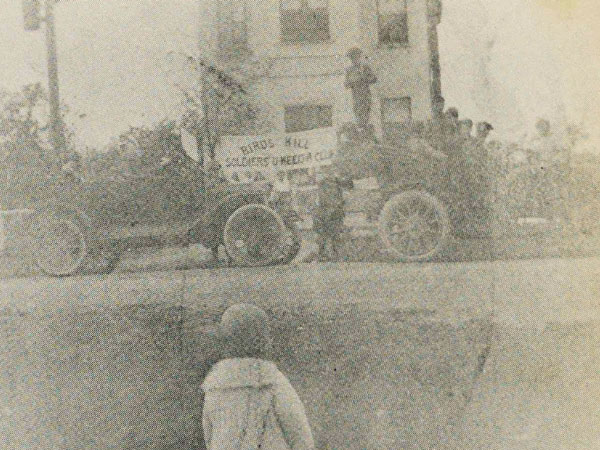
62 209
208 228
390 191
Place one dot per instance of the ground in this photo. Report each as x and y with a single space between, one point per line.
480 354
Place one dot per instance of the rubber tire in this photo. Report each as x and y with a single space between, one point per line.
434 203
230 248
76 224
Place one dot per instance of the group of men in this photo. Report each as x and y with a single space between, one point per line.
444 131
468 174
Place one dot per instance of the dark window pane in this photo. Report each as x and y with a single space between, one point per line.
393 29
233 27
304 25
307 117
393 21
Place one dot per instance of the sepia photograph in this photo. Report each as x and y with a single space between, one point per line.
300 224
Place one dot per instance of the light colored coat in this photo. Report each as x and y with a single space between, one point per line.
251 405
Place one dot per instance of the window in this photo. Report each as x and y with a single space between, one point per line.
304 21
392 16
233 26
307 117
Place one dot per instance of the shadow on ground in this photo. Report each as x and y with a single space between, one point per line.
366 248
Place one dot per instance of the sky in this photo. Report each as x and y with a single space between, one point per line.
508 62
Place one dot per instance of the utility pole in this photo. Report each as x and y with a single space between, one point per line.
32 19
56 124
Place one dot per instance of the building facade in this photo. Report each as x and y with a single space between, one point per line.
306 41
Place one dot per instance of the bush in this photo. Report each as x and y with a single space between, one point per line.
27 161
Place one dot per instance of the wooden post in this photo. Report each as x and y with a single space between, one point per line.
56 124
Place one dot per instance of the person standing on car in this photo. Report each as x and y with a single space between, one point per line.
359 78
249 404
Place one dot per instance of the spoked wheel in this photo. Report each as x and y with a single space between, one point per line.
255 235
61 246
414 225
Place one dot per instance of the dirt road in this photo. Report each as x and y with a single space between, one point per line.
444 355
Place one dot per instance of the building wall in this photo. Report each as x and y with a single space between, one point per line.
313 73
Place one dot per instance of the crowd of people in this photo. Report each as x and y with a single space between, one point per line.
532 178
492 184
468 176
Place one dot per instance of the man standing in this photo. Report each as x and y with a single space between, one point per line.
483 131
554 168
441 129
328 220
359 78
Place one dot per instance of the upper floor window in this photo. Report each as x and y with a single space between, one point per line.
233 26
304 21
392 17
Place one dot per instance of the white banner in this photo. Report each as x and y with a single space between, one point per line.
253 158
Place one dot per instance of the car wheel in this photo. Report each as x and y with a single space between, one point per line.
61 245
414 226
254 236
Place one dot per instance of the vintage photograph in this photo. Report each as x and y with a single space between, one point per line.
300 224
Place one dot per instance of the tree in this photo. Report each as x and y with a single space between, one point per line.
224 100
136 152
27 160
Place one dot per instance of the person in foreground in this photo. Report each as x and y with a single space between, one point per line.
249 404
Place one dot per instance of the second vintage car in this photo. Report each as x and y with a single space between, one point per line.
172 201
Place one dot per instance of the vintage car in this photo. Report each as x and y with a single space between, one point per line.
173 202
421 201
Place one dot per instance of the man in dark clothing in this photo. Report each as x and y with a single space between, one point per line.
433 127
483 130
329 216
359 78
451 120
441 129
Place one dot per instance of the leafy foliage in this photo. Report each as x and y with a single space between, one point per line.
147 154
527 183
224 100
27 160
135 152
